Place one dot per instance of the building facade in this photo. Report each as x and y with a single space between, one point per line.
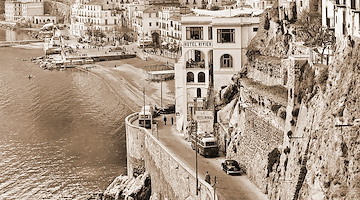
93 17
343 16
213 50
23 9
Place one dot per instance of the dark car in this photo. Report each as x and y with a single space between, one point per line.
231 167
168 109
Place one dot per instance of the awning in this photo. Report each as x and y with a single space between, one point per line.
164 43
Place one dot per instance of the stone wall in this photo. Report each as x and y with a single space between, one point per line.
252 144
170 177
267 70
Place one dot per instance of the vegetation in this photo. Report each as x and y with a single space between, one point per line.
310 30
273 158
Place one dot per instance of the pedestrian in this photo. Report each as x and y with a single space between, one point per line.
165 120
207 177
172 121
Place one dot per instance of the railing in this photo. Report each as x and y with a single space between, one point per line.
194 64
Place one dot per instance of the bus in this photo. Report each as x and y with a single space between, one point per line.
146 115
206 144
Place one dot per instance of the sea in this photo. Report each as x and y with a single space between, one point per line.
62 133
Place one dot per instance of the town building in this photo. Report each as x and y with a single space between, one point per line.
343 17
213 50
170 26
23 9
90 16
257 4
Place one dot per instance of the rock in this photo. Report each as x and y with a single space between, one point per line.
124 188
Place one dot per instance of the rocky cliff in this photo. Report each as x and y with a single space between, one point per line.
319 157
58 8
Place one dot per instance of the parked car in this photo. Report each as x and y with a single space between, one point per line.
168 109
231 167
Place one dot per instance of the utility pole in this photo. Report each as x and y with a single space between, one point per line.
194 123
161 93
144 105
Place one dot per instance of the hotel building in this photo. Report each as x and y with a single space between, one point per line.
213 50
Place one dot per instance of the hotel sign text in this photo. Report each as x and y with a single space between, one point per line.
197 44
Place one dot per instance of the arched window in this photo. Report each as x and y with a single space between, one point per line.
201 77
190 77
226 61
198 92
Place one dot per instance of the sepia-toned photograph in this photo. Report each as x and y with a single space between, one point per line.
179 99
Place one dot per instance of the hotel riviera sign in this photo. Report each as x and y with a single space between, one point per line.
198 44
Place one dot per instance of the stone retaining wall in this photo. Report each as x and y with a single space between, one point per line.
171 178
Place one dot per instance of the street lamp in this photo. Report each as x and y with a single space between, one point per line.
194 130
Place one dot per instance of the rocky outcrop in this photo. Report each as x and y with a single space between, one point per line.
124 187
58 8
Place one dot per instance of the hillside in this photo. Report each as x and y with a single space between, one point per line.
307 147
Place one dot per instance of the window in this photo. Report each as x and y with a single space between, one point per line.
201 77
210 33
190 77
198 92
225 61
255 29
157 23
194 33
226 35
149 23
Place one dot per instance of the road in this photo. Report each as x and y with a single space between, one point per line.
227 187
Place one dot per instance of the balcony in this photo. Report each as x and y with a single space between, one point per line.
193 64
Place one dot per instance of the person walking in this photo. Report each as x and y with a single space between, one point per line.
207 177
165 120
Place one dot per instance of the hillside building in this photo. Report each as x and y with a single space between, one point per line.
213 50
342 16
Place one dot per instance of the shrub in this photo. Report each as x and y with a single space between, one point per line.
295 112
283 115
273 158
275 108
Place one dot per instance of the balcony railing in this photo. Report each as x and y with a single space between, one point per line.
194 64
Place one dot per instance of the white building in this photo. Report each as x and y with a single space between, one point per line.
92 16
213 50
145 22
257 4
343 16
170 25
23 9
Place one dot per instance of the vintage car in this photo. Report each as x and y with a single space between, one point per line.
231 167
168 109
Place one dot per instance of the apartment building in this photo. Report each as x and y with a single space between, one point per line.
257 4
92 16
23 9
170 25
343 16
213 50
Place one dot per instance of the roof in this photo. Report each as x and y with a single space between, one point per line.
228 12
152 9
162 72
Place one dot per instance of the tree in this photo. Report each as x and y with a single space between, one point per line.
309 28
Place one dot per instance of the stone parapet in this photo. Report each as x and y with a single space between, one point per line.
170 177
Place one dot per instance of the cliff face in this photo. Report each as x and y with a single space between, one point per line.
319 157
58 8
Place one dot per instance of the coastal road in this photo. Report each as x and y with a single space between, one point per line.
227 187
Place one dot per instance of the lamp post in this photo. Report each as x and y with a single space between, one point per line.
194 123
